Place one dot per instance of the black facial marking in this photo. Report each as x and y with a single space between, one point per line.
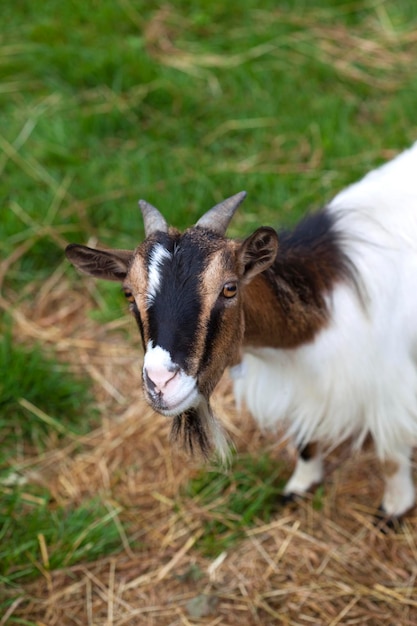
138 319
174 314
213 329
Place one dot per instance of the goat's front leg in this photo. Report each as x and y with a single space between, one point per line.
399 495
308 471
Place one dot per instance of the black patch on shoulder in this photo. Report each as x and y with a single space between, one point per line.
311 259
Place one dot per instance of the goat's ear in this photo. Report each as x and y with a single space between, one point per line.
107 264
258 252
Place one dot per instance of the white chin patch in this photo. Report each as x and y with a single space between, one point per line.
168 388
175 406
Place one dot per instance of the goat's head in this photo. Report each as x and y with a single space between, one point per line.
185 291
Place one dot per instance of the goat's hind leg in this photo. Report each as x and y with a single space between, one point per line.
308 471
399 494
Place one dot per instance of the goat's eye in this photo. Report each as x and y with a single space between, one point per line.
129 295
229 290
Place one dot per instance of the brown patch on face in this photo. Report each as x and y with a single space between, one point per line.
221 318
137 283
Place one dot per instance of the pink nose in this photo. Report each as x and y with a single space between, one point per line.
158 378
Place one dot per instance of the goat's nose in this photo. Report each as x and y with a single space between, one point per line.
157 378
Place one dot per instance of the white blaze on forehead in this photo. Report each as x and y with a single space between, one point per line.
158 255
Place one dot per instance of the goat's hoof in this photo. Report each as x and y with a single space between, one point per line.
289 498
386 523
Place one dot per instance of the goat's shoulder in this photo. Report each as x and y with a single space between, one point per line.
313 251
295 290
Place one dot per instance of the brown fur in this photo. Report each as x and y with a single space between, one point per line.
272 323
226 349
286 305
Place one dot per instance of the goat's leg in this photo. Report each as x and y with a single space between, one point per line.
399 495
307 473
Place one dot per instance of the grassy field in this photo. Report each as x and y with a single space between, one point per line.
182 104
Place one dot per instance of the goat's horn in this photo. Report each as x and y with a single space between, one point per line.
152 218
219 216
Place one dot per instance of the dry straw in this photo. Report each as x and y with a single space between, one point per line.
306 567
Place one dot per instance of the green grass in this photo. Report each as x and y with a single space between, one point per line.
232 502
182 104
37 535
189 103
38 395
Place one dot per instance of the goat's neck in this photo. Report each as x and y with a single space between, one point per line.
286 305
276 316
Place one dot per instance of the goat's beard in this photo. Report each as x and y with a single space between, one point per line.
199 431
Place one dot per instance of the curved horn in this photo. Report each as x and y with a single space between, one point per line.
152 219
219 216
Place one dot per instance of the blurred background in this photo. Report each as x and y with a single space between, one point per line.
103 102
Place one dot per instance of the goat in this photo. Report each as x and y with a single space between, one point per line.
318 324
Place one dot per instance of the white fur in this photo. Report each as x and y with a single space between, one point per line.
179 393
219 438
159 254
359 374
399 488
306 474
